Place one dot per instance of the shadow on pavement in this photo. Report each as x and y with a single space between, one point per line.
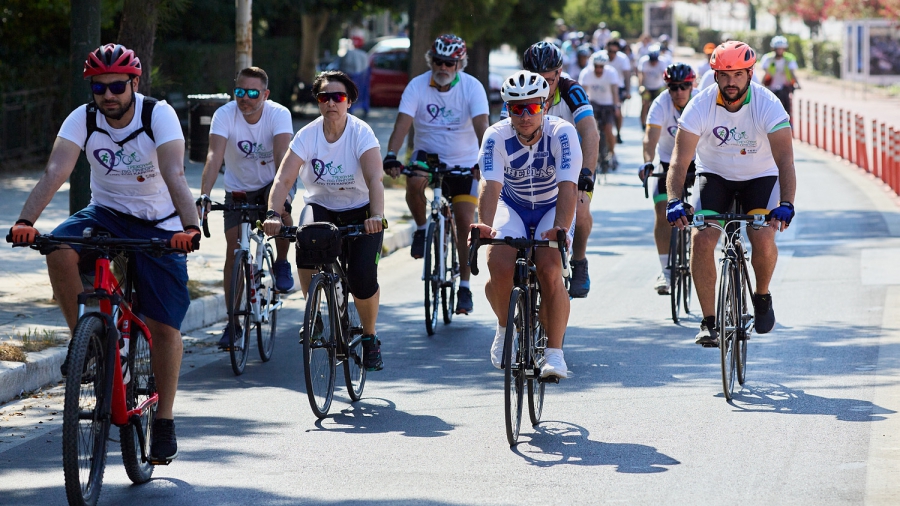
375 415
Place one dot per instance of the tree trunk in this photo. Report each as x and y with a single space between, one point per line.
137 32
422 35
478 64
312 26
751 13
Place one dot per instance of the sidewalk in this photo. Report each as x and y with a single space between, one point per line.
28 312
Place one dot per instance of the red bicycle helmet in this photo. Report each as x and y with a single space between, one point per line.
449 46
679 73
112 59
732 55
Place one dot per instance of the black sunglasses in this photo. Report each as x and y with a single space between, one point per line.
440 62
680 87
250 92
117 87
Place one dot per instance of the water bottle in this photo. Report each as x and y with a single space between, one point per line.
124 342
339 292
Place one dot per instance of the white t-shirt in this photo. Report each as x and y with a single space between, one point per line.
622 65
443 121
735 145
249 149
128 179
653 74
709 79
664 114
702 68
779 78
599 89
530 174
331 172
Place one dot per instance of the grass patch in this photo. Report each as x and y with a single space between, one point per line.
11 353
197 289
31 340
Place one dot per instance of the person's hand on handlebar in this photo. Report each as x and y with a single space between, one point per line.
550 234
23 232
676 214
485 231
203 204
645 171
272 225
392 166
374 224
188 241
782 215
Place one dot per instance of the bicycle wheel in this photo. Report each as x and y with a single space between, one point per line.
603 158
746 317
729 319
354 372
514 377
687 283
240 312
451 268
138 391
535 385
268 300
674 267
432 278
319 345
86 411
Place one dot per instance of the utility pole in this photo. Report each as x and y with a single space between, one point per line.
243 56
85 37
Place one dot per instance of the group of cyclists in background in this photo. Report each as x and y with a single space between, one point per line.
532 174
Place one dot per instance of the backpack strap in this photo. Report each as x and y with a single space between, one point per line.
146 117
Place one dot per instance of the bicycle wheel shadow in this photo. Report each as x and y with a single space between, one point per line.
780 399
563 443
377 415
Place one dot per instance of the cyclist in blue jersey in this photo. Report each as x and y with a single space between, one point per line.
568 100
530 165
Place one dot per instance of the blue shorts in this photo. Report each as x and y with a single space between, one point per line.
161 286
514 221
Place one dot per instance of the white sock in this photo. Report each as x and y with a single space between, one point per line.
664 261
501 330
421 227
464 284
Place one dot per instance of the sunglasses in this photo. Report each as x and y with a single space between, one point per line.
521 109
335 96
680 87
117 87
440 62
249 93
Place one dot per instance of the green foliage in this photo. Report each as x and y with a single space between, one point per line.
626 17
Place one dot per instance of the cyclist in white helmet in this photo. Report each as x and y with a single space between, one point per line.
780 67
530 163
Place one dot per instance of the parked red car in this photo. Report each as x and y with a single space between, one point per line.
389 65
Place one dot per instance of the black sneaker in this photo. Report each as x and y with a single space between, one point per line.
372 353
225 340
763 313
708 337
163 445
619 139
464 301
417 250
580 284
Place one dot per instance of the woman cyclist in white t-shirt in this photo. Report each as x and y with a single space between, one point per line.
338 159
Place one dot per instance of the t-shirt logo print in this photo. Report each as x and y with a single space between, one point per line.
721 133
318 168
107 159
672 130
445 116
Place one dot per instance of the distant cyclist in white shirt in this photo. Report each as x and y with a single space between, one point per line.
742 138
530 163
601 82
250 135
449 109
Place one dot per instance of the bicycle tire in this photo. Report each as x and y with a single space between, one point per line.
319 361
603 150
746 316
514 373
451 268
268 297
686 279
728 320
535 385
432 279
141 387
354 372
88 390
240 312
674 267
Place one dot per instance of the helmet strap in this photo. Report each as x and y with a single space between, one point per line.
534 134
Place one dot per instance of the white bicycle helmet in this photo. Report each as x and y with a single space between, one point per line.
779 42
600 58
524 85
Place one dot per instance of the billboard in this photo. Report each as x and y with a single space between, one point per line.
659 19
872 51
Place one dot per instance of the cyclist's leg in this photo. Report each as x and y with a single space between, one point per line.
310 213
464 196
415 198
554 298
762 193
501 261
713 196
232 220
362 274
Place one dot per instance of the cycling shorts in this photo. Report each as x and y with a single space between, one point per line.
716 194
161 286
455 188
605 114
259 197
623 92
513 221
361 253
660 193
650 95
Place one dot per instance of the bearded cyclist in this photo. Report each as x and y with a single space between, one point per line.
742 139
530 165
659 139
568 100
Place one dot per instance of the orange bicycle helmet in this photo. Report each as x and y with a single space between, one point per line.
112 59
732 55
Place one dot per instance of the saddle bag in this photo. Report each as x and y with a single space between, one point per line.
318 244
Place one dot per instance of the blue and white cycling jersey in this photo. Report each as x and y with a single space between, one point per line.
530 174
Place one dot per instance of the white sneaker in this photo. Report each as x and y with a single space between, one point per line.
497 346
554 364
662 284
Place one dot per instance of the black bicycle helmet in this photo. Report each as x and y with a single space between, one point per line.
679 73
542 57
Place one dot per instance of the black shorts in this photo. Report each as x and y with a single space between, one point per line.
362 253
716 194
258 197
460 189
660 194
605 114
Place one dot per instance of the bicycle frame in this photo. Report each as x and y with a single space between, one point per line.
256 262
438 203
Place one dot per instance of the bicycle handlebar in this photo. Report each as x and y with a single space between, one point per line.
234 206
754 220
647 179
519 243
101 242
290 233
442 169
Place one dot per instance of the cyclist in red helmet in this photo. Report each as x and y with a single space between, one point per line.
741 135
135 148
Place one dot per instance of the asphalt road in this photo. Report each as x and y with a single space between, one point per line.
643 420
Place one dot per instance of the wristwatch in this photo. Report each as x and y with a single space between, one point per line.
272 214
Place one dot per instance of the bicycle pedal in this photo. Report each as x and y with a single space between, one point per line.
158 462
710 345
551 379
